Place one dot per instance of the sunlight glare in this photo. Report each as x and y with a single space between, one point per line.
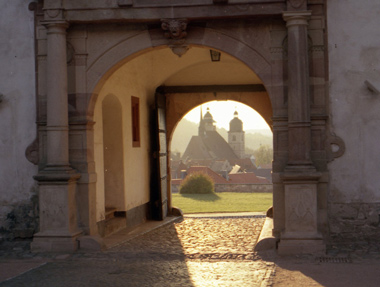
223 113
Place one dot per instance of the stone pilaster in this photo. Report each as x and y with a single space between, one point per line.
57 103
300 177
298 91
57 182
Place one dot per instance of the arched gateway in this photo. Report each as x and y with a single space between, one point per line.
145 58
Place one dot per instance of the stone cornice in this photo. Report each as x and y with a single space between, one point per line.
148 14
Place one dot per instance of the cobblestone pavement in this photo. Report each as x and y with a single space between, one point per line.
192 252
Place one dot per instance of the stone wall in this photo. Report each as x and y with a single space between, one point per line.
354 58
246 188
355 226
243 188
17 118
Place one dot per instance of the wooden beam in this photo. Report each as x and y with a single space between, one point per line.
211 89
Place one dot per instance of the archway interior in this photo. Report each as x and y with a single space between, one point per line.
139 78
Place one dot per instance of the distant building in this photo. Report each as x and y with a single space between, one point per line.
236 180
209 144
236 136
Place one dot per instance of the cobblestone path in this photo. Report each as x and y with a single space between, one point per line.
193 252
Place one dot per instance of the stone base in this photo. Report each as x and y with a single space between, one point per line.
91 243
45 243
176 211
306 246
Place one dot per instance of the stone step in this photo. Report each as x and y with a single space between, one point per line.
110 226
110 212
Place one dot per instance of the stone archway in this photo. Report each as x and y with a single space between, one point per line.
98 50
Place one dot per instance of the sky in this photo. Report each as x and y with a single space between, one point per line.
223 113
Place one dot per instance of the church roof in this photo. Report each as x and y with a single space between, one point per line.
196 149
204 169
211 145
245 163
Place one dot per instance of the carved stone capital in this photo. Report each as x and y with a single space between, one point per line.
296 18
53 27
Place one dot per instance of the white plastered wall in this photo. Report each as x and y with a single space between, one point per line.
17 107
354 57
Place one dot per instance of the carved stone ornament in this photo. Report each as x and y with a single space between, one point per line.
179 50
174 28
175 31
31 152
337 146
53 13
296 3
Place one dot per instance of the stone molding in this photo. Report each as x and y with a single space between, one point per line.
46 177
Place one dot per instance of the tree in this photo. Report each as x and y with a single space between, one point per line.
198 182
263 155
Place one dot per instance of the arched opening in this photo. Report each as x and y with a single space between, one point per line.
139 78
221 139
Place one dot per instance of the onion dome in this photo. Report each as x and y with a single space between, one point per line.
236 125
208 117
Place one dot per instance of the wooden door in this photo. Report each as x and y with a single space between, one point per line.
160 188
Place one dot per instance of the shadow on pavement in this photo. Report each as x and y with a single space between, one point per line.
329 272
143 261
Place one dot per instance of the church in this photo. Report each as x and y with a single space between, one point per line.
210 145
91 93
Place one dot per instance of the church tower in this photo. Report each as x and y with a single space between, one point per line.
236 136
206 123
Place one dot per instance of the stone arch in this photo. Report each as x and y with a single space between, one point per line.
141 43
123 52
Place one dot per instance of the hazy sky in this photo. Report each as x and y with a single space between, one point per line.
223 113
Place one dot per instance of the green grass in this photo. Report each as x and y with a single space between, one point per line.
222 202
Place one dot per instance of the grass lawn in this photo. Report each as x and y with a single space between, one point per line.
222 202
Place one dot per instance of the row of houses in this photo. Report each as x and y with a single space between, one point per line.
236 178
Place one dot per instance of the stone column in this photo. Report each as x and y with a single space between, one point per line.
57 181
300 177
